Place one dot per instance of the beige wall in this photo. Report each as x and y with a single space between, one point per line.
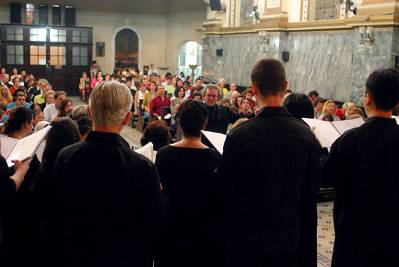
160 36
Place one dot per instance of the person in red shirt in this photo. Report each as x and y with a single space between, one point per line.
159 102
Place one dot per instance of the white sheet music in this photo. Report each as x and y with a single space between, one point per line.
216 139
396 118
7 145
27 147
40 150
147 151
345 125
324 131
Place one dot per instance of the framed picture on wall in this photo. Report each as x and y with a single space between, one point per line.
100 49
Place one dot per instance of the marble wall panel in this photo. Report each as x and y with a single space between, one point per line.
330 62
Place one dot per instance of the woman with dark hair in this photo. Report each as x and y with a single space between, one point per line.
65 108
21 226
299 106
64 132
19 124
158 133
193 230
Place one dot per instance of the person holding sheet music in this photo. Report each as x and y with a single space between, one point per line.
363 168
106 197
159 102
21 224
272 203
193 230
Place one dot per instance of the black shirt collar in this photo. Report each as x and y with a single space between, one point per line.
106 138
380 121
273 111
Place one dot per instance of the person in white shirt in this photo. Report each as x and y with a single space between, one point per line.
51 111
152 70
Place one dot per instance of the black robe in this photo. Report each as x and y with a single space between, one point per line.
363 167
107 205
270 170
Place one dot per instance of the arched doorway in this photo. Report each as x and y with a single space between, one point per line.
126 50
190 54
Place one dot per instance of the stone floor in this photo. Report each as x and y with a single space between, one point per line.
325 228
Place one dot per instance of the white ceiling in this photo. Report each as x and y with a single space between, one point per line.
125 6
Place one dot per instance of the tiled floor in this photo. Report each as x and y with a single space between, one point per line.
325 230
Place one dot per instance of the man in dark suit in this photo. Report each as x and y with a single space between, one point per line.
269 170
107 202
219 117
363 167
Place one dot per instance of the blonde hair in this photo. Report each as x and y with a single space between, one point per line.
324 110
49 92
9 95
109 103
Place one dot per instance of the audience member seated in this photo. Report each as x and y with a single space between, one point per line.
176 100
329 109
194 225
197 96
65 108
33 90
354 112
16 86
245 108
5 95
84 86
44 87
222 85
3 113
313 97
318 107
158 133
37 117
49 98
52 110
158 103
20 101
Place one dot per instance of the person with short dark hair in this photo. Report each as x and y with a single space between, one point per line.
313 96
158 133
299 106
193 230
269 168
363 169
219 117
20 101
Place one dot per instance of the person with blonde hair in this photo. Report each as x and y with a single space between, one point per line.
43 85
329 108
5 95
117 199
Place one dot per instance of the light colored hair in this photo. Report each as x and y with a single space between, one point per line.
78 112
42 81
324 111
109 103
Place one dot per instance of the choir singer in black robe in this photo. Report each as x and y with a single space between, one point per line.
363 166
107 202
270 170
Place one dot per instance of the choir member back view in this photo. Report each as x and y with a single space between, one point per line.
106 201
270 171
363 168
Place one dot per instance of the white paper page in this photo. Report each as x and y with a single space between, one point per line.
324 131
27 147
147 151
345 125
396 118
40 150
7 145
216 139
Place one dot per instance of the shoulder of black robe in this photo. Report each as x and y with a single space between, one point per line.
102 173
7 185
257 155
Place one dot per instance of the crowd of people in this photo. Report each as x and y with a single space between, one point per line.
92 201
